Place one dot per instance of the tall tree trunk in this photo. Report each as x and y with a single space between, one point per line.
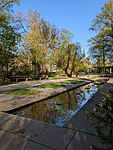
67 66
103 55
73 62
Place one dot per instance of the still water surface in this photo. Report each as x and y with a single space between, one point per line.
58 110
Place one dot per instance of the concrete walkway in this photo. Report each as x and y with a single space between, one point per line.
19 133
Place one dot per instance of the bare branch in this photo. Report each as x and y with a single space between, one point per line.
7 3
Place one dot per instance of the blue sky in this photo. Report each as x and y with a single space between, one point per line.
74 15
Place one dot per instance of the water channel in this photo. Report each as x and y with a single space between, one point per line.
58 110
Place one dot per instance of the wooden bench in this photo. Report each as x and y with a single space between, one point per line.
62 75
1 79
19 78
41 77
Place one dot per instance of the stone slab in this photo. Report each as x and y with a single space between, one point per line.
9 141
49 135
39 132
83 141
29 145
34 129
13 123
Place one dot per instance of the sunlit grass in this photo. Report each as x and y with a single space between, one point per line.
55 77
59 84
73 81
21 92
51 85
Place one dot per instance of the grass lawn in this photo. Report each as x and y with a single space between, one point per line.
55 77
59 84
74 81
21 92
51 85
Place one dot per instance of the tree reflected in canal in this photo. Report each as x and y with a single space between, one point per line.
58 110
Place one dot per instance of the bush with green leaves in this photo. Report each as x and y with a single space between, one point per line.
102 115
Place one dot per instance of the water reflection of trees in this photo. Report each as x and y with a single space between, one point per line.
60 108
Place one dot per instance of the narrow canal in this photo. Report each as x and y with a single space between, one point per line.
58 110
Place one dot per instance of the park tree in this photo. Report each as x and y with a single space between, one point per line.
40 39
72 59
101 45
84 62
59 55
9 37
98 51
66 56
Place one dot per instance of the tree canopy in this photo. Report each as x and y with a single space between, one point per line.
101 45
9 37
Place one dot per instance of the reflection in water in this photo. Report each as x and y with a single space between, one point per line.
58 110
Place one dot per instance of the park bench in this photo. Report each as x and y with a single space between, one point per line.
41 77
1 79
62 75
19 78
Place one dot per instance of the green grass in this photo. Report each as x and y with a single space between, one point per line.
53 78
73 81
21 92
59 84
85 79
51 85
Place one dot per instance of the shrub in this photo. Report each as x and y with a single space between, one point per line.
102 115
